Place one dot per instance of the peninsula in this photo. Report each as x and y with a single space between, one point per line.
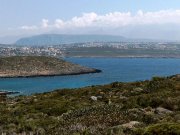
34 66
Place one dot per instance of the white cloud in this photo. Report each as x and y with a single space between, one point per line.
29 27
111 20
45 23
86 20
59 23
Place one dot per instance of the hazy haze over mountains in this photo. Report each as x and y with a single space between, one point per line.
56 39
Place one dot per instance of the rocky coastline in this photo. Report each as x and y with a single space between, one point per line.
51 75
5 93
40 66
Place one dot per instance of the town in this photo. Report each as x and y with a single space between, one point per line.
65 50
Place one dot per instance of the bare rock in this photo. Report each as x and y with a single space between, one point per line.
131 124
94 98
161 110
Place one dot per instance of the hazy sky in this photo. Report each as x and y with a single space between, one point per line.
158 19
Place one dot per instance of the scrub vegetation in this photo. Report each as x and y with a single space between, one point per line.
150 107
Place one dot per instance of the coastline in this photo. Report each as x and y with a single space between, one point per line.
52 75
154 57
5 93
37 66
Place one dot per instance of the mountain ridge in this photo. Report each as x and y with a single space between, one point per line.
56 39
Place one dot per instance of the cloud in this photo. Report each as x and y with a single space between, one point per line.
111 20
59 23
45 23
29 27
86 20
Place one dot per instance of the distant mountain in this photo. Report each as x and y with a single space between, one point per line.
55 39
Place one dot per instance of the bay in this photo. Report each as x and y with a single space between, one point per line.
113 69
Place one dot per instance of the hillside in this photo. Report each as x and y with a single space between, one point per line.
137 108
28 66
56 39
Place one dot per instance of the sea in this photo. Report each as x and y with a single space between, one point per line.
113 69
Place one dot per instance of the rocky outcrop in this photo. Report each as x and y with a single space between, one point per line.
161 110
131 124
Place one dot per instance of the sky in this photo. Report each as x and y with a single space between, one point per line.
150 19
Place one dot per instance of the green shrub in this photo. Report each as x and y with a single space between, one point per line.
163 129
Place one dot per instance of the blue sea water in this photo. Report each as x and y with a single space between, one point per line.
114 69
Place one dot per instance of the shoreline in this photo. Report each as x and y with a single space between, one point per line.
154 57
52 75
5 93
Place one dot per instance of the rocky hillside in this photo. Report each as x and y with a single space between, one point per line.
27 66
138 108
